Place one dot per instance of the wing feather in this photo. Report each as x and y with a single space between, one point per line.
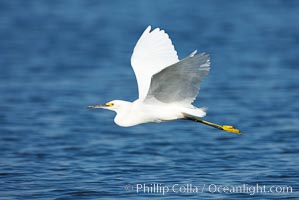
153 52
180 82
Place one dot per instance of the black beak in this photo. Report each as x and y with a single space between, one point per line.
97 106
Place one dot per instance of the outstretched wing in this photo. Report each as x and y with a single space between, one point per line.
180 82
153 52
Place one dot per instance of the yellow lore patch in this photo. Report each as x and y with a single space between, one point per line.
109 104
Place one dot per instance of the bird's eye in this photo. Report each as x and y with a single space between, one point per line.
110 104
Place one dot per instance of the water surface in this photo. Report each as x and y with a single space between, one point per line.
56 57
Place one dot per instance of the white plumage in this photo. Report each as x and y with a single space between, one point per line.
167 86
152 53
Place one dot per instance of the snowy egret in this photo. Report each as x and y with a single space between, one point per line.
167 86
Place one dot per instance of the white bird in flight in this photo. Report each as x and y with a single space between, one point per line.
167 86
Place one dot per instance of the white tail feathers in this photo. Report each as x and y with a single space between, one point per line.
195 112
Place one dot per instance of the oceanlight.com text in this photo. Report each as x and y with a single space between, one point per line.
163 189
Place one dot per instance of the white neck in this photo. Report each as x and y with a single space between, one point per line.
122 113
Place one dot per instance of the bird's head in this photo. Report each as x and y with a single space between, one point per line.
114 105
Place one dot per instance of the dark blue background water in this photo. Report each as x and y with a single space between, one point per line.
56 57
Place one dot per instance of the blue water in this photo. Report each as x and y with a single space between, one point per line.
57 57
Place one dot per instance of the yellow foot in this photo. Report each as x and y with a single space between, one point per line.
231 129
